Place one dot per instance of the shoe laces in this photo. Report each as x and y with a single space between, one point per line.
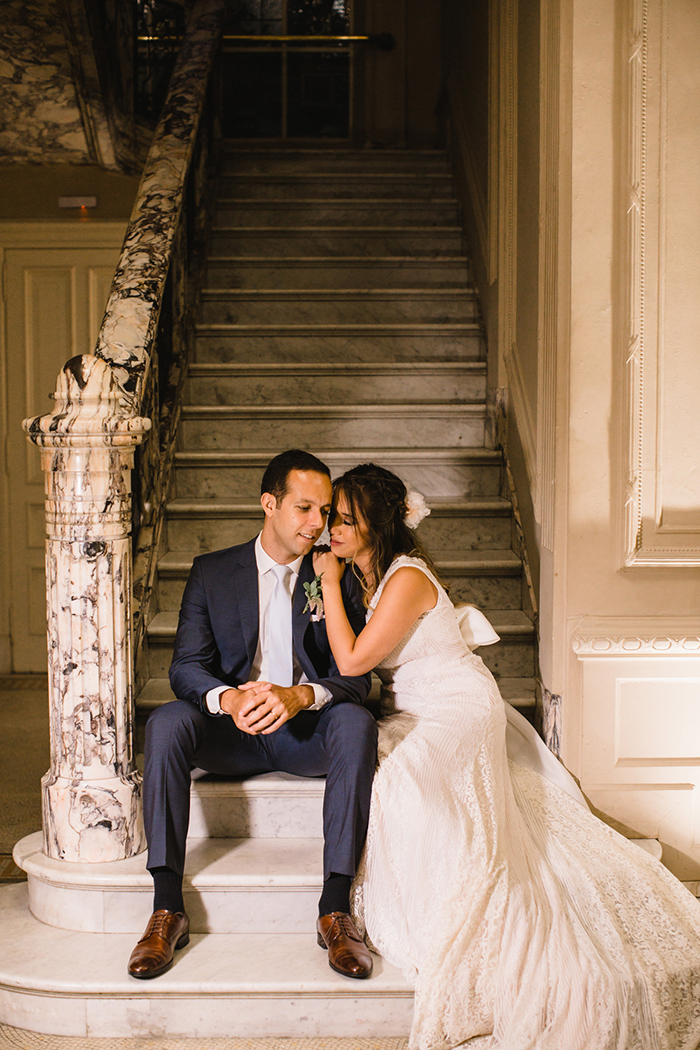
344 925
157 922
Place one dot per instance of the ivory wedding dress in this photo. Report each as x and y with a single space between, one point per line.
524 921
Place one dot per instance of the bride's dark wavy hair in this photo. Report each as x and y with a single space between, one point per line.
377 497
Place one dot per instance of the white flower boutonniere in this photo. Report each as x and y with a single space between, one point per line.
314 599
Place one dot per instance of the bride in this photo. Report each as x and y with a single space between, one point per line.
524 921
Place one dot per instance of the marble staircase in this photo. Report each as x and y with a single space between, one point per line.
338 315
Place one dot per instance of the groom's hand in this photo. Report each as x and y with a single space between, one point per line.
269 706
238 705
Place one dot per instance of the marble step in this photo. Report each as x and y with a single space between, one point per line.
216 384
337 185
481 578
481 523
248 985
309 211
442 473
356 306
325 161
345 343
512 657
256 272
339 426
280 241
232 884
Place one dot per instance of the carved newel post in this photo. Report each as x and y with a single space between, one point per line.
92 792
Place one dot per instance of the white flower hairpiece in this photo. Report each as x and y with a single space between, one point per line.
416 509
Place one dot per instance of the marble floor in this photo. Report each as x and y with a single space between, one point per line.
24 758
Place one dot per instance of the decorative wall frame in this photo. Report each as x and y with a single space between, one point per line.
660 491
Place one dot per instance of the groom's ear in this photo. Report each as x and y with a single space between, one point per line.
268 503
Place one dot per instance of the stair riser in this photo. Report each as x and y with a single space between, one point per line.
209 534
297 310
508 659
333 274
335 389
292 243
231 909
446 482
278 433
337 187
250 1016
224 349
485 591
340 161
423 213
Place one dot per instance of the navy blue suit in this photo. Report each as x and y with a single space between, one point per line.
216 642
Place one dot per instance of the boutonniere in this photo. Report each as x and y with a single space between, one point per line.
314 599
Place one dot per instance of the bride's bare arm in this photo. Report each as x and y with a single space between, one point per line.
406 596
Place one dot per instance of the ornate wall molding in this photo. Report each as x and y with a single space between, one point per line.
548 270
636 636
659 519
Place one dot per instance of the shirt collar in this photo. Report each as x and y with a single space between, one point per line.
265 562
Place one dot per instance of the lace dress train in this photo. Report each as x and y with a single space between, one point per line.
525 922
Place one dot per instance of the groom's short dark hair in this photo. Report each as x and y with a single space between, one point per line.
278 469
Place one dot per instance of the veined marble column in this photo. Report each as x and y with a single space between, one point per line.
92 792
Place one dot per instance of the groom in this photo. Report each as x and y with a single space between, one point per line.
258 691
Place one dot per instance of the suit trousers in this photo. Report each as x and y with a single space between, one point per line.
338 742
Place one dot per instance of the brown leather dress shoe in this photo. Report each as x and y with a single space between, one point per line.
347 952
166 932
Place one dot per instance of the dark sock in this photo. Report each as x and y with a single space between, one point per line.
167 886
336 894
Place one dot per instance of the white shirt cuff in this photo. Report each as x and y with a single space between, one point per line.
321 694
212 698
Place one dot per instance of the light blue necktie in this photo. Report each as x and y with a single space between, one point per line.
279 659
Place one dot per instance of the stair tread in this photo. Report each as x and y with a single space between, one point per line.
175 563
86 965
210 862
517 691
441 508
512 622
383 408
410 455
341 202
338 260
406 327
320 367
337 293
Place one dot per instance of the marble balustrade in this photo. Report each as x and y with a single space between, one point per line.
91 793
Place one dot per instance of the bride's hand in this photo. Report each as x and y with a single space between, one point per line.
327 565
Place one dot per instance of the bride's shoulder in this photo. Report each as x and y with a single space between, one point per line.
419 578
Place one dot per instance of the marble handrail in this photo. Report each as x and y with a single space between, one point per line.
91 794
128 330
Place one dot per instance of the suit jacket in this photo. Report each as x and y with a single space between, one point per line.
217 634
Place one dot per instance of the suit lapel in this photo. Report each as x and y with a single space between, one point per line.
249 599
300 619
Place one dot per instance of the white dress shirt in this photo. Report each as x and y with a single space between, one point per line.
258 672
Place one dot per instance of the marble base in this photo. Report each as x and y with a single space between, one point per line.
68 983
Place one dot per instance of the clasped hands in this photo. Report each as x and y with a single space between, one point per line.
262 707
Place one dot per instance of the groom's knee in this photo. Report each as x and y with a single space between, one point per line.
352 731
175 724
